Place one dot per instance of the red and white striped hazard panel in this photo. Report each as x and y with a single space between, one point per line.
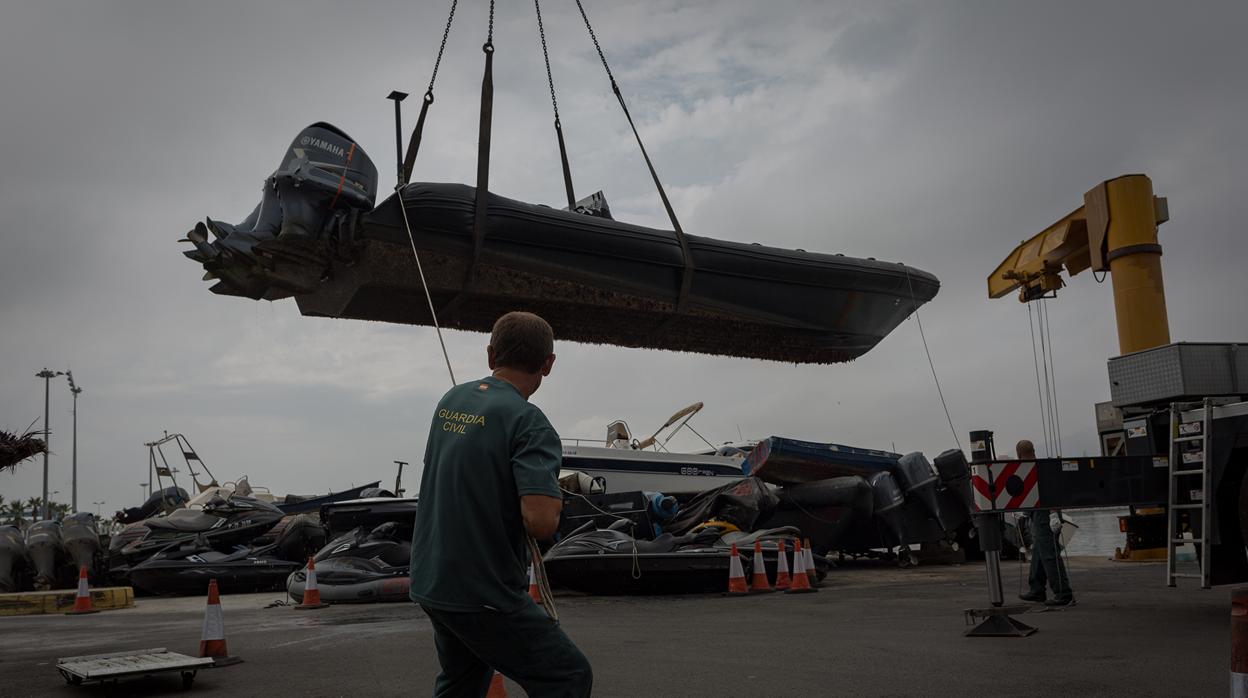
1005 486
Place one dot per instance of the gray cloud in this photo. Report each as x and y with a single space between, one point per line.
938 134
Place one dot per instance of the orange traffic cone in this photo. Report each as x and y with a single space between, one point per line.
82 602
212 641
759 584
534 592
497 689
810 563
311 595
783 581
801 582
736 575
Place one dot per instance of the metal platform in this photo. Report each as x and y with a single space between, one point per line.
115 666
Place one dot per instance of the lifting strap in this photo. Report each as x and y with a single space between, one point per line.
483 172
413 145
554 103
686 279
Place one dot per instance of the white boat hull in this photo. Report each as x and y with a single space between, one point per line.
624 470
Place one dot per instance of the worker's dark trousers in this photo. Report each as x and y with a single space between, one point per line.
526 647
1046 562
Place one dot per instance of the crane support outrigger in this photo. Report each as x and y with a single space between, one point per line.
1175 433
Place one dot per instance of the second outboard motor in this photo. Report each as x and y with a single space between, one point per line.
43 542
888 501
955 474
12 557
81 538
915 474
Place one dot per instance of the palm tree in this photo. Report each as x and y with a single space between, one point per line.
15 512
60 510
35 504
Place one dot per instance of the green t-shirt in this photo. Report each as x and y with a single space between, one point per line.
487 446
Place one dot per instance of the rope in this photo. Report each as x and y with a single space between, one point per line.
425 285
915 301
1035 362
1057 413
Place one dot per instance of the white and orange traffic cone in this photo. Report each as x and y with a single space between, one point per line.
497 689
810 563
311 595
801 582
82 602
759 585
783 581
736 575
212 640
534 592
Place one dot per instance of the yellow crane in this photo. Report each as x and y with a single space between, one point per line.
1114 231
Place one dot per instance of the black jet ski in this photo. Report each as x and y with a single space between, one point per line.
160 502
43 544
81 538
13 559
361 566
314 237
610 561
223 522
184 570
369 513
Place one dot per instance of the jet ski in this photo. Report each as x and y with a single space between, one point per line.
184 569
222 521
81 539
361 566
610 561
316 237
369 513
160 502
13 558
43 543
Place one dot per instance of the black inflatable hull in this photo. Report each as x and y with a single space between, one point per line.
689 572
601 281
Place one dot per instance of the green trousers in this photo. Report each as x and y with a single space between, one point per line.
525 646
1046 559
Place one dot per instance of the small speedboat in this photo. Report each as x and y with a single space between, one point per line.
81 538
13 558
786 461
43 543
369 513
361 566
317 237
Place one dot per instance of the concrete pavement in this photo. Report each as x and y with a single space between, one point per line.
873 630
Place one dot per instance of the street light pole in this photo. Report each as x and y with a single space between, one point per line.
73 388
46 375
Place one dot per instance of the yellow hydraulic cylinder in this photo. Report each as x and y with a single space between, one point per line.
1123 210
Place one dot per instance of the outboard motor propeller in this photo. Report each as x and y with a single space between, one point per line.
279 249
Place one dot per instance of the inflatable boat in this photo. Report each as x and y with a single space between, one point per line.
316 237
361 566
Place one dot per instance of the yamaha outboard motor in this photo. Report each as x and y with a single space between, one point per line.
81 538
12 558
43 543
888 501
323 182
955 475
918 480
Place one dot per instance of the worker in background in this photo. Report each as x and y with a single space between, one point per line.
491 466
1046 558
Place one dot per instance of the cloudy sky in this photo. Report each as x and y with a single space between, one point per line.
931 133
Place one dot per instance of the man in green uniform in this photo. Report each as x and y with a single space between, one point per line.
1046 554
491 476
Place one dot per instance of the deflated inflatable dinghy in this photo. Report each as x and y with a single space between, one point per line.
595 279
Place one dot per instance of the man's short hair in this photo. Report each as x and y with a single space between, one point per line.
1025 446
522 341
